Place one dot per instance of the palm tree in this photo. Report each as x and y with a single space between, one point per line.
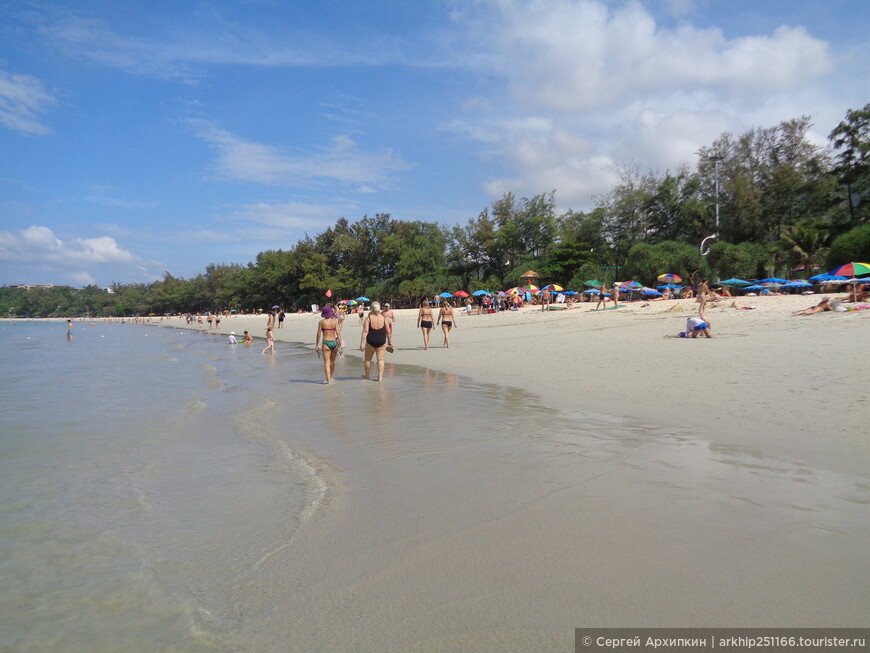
807 242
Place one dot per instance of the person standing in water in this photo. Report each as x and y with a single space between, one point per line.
69 329
270 341
329 330
375 339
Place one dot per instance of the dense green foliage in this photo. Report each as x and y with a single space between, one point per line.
781 202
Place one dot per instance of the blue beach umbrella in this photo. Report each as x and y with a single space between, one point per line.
478 293
734 282
826 277
773 280
754 287
570 292
594 291
363 299
446 294
668 285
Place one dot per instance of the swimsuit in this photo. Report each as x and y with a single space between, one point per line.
425 324
377 337
446 323
332 344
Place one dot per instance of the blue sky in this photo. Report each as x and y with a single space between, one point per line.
141 137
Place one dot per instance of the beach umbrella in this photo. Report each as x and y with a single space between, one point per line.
630 285
276 306
593 291
651 292
594 283
569 292
446 294
773 280
363 299
553 287
734 282
530 287
852 269
460 293
668 285
502 293
670 276
753 287
821 278
478 293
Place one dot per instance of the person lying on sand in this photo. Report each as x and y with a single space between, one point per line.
824 305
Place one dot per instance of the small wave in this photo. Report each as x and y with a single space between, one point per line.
195 405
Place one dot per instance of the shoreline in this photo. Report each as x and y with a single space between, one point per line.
652 474
781 384
769 381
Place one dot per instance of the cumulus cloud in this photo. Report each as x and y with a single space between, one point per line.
591 86
571 55
22 99
40 244
342 161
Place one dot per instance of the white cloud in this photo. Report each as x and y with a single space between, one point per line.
39 244
22 99
572 55
591 86
295 217
342 161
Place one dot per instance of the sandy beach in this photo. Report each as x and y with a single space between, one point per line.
768 380
721 482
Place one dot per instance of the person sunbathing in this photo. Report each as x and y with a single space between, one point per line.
824 305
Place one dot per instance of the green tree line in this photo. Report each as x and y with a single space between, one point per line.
781 201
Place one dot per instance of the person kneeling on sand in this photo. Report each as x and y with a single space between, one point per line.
695 326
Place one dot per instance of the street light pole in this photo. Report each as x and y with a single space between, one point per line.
716 159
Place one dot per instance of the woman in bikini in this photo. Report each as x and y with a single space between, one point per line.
376 338
425 320
330 330
446 318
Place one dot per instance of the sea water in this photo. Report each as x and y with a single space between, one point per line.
137 483
163 490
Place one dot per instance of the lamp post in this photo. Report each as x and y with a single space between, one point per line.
716 158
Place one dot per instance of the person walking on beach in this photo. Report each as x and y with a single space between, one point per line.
361 312
270 341
391 317
375 339
329 329
424 321
703 289
446 319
